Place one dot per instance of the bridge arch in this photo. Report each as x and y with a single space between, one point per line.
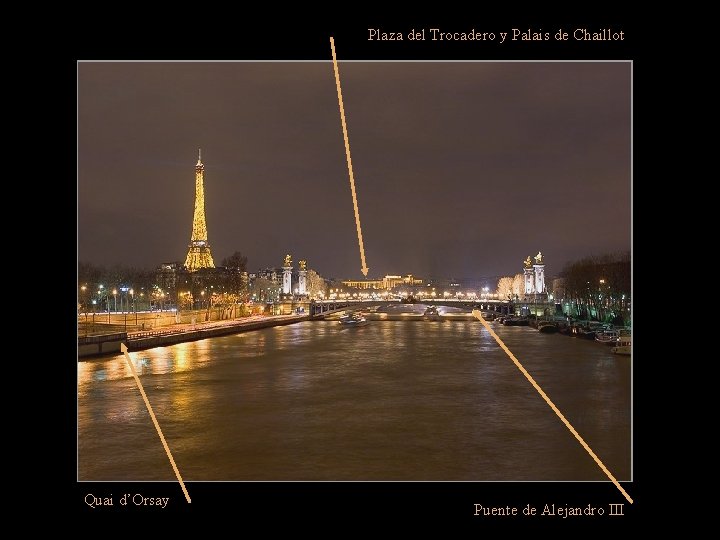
319 309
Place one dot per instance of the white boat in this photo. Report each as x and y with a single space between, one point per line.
431 314
353 320
608 337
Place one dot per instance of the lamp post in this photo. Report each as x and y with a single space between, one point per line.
126 309
83 302
100 296
132 296
93 324
115 300
184 298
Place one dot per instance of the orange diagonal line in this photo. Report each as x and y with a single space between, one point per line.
478 315
123 347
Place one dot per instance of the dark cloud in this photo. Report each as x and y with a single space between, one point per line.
462 169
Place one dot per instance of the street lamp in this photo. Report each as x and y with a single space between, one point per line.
107 300
132 296
126 309
93 305
83 301
115 299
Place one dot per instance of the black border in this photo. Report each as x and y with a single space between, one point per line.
316 504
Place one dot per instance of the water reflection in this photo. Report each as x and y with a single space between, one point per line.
393 400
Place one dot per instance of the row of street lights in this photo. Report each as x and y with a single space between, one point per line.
102 292
128 293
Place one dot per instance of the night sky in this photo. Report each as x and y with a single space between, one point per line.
461 169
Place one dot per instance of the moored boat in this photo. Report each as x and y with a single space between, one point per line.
547 327
582 331
431 314
608 337
516 321
623 346
353 320
586 333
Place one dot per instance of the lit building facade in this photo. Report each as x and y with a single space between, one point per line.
387 283
286 281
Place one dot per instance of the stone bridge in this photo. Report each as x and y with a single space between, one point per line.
321 308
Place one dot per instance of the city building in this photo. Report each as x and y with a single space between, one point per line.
285 282
389 282
166 275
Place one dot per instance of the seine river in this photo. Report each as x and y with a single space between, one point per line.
393 400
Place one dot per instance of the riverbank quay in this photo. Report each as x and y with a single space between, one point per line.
141 340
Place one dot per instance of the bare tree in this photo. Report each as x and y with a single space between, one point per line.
505 287
235 275
599 284
518 285
118 277
316 285
236 261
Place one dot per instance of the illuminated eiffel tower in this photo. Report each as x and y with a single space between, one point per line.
199 253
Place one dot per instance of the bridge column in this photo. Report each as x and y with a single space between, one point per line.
529 277
302 278
302 282
287 280
539 269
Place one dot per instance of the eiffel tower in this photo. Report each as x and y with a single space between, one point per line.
199 253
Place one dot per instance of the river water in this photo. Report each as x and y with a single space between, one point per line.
393 400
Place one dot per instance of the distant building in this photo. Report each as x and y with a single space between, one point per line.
166 276
363 283
178 286
271 274
389 282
